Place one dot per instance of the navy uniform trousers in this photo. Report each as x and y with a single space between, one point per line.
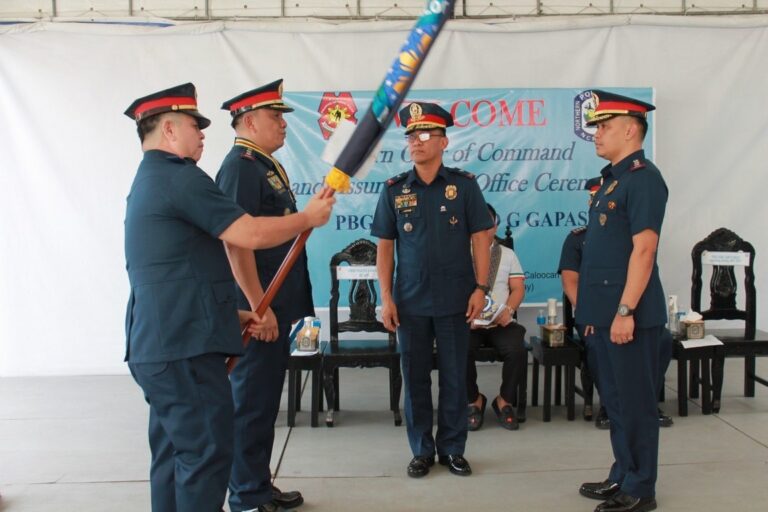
190 431
257 386
415 335
628 378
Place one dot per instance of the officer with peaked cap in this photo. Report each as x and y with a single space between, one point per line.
182 319
433 217
621 301
570 262
252 177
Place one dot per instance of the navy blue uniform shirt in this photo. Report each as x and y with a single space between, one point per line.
432 225
633 198
259 184
570 255
182 301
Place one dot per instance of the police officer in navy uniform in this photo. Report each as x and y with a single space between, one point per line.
182 319
621 301
435 218
570 261
258 183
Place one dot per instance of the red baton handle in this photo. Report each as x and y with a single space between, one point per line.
279 279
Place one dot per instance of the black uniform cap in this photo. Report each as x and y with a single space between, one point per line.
424 116
182 98
608 105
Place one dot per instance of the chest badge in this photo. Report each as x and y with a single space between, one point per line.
443 209
407 227
453 220
611 205
275 183
603 219
406 189
451 192
611 187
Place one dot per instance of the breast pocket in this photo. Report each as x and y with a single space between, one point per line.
453 221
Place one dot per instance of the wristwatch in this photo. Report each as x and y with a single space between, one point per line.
625 310
484 287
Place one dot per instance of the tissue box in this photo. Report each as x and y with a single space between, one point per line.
553 335
693 330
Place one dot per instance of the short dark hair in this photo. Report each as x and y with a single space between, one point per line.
147 126
643 126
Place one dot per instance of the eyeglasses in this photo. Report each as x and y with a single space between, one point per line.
421 136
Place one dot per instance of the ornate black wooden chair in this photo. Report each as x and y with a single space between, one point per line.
364 353
747 343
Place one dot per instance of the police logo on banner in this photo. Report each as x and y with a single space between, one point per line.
583 104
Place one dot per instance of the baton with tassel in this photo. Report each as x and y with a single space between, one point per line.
361 140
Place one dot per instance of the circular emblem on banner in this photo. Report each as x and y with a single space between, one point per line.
583 105
450 192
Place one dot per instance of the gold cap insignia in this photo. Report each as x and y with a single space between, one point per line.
415 111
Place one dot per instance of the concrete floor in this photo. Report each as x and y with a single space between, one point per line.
79 444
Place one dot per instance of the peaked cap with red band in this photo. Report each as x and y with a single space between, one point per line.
266 96
608 105
424 116
181 98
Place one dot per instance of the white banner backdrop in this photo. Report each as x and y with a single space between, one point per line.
68 155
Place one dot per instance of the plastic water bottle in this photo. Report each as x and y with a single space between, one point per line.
541 319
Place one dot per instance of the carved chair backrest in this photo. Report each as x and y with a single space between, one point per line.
723 286
362 294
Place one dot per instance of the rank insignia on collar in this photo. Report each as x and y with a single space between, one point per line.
450 192
247 155
603 219
611 187
636 164
611 205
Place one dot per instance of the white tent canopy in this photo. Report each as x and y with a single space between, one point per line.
67 155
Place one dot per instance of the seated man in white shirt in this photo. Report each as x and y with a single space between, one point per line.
507 283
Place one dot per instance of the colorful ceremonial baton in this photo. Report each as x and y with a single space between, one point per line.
370 129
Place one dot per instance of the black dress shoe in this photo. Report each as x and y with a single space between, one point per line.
602 422
664 420
419 466
600 490
622 502
269 507
290 499
457 464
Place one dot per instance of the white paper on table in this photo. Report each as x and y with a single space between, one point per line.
706 341
302 353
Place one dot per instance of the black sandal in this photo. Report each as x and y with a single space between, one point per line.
506 416
476 415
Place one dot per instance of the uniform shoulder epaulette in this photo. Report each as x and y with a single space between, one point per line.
637 164
248 155
461 172
579 230
394 179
